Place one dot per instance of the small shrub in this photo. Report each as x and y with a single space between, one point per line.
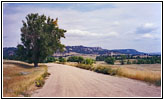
61 59
158 82
39 82
88 61
106 70
113 71
80 59
102 69
110 60
84 66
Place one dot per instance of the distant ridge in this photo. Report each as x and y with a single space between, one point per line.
7 51
99 50
155 53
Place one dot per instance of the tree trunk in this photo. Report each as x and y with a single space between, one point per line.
35 64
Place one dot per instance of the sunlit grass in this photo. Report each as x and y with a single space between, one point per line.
143 75
19 78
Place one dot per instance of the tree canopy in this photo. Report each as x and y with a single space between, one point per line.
110 60
40 38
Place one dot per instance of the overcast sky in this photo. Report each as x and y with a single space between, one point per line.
107 25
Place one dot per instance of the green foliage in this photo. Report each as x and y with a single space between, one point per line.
39 82
50 59
40 38
75 59
148 60
101 58
11 57
122 61
106 70
88 61
72 59
140 61
102 69
80 60
158 82
123 56
113 72
110 60
61 59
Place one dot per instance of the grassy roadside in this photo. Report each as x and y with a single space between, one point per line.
149 76
153 77
20 78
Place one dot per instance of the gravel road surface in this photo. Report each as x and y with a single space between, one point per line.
68 81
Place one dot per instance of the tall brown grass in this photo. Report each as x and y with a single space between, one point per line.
143 75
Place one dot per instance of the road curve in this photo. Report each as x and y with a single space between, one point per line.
67 81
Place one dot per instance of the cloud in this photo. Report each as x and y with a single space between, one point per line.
116 23
76 32
80 32
147 35
109 25
151 36
146 28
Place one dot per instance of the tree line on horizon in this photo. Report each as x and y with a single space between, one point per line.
125 59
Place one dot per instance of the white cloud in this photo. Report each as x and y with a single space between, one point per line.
115 34
147 35
77 32
146 28
116 23
150 36
148 25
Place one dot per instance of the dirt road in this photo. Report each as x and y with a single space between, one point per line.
67 81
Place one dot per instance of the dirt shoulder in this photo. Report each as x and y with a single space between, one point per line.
68 81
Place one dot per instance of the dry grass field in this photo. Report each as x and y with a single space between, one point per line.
144 72
148 67
19 78
150 73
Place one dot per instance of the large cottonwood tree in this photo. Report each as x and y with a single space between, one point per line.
40 36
